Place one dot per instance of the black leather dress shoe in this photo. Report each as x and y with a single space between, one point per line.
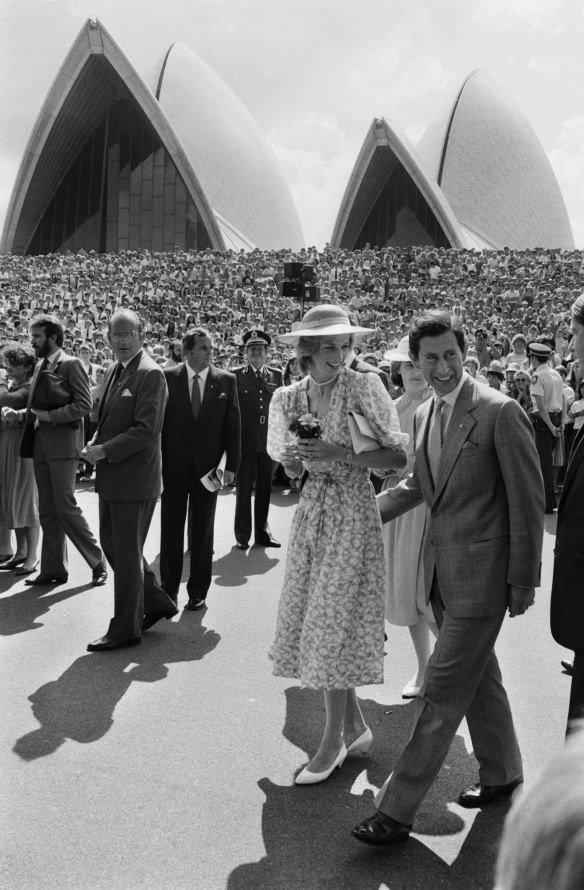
45 578
478 795
150 620
106 644
99 574
381 830
194 605
242 545
268 542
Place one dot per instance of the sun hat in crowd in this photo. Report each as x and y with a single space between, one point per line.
323 321
496 368
400 353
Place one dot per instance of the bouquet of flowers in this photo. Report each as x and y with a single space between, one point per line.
306 427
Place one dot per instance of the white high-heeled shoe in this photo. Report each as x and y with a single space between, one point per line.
307 778
361 744
411 690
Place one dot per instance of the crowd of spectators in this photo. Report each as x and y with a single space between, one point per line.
497 294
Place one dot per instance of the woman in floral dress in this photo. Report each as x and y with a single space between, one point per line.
329 631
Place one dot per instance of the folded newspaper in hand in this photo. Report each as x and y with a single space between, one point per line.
213 480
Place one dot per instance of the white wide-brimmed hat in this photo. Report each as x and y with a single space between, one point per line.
400 353
323 321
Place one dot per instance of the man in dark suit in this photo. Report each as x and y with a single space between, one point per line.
255 386
476 468
126 451
201 422
567 602
54 439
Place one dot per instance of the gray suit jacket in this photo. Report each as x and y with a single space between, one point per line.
486 510
129 427
62 437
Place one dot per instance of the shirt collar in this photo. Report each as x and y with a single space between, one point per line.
451 397
202 374
54 359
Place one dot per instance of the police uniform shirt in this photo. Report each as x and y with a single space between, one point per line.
548 384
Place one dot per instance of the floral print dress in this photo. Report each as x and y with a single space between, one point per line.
329 631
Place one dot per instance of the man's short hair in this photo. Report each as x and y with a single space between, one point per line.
189 339
577 310
128 314
51 326
433 323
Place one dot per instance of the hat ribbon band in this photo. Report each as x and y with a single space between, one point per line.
326 322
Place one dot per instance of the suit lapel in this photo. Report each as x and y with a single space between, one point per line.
113 393
34 381
210 387
459 427
182 383
421 431
576 458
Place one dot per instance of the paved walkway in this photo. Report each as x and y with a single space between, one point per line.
171 765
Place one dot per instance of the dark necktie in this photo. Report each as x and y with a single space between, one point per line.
196 397
435 438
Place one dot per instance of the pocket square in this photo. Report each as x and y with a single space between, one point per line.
126 392
222 395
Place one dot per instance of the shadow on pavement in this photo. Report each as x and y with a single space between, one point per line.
237 566
306 830
80 704
21 611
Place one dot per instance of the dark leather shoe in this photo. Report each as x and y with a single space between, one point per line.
268 542
194 605
567 665
106 644
478 795
45 578
242 545
150 620
99 575
381 830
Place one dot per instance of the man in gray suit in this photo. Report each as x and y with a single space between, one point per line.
476 468
126 450
53 438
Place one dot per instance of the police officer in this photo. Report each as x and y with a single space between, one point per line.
256 384
546 391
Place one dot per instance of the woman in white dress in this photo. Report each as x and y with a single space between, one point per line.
329 631
405 591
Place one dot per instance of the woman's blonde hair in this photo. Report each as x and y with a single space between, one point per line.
305 349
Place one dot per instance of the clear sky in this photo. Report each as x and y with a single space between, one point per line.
314 73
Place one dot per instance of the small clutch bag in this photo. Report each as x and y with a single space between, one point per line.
362 435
